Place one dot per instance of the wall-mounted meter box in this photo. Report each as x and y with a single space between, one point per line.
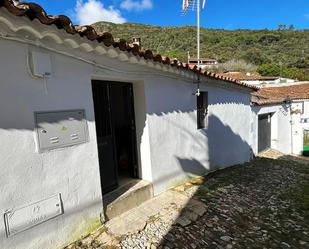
60 129
40 64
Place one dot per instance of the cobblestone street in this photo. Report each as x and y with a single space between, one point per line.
262 204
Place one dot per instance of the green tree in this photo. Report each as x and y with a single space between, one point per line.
301 63
269 70
254 46
283 71
256 57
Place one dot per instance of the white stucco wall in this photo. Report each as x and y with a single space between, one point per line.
172 118
273 83
286 136
28 176
170 147
306 109
280 127
298 126
258 82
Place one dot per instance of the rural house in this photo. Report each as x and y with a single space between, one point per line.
81 115
281 118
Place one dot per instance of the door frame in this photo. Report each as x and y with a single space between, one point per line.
136 168
269 116
133 132
143 143
112 135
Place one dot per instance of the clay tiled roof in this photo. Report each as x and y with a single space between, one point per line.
243 76
277 95
34 11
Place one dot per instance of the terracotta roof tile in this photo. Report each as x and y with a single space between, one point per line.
35 11
277 95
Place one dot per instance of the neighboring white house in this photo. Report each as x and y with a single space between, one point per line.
281 118
203 63
79 112
257 80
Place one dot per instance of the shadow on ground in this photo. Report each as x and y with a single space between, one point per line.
261 204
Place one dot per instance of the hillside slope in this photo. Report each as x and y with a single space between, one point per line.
288 47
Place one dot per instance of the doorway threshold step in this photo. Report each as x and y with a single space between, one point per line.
126 197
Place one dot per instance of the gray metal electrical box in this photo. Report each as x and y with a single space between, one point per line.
60 129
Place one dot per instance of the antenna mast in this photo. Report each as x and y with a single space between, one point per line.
198 31
186 4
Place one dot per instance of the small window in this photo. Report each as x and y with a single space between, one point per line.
202 110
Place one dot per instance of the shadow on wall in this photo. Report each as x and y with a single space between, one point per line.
18 121
219 147
25 119
225 148
163 108
196 151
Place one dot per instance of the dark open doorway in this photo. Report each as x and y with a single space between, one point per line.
264 132
116 135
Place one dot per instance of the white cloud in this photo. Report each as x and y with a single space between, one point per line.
136 5
92 11
306 15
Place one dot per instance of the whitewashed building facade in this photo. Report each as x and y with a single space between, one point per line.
281 119
77 109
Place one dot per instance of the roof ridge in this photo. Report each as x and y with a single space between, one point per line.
35 11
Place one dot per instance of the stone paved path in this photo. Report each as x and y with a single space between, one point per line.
262 204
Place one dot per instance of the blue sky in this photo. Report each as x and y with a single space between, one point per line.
223 14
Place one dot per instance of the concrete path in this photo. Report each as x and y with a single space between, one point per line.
154 218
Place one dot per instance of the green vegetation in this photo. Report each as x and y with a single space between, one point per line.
286 47
284 71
